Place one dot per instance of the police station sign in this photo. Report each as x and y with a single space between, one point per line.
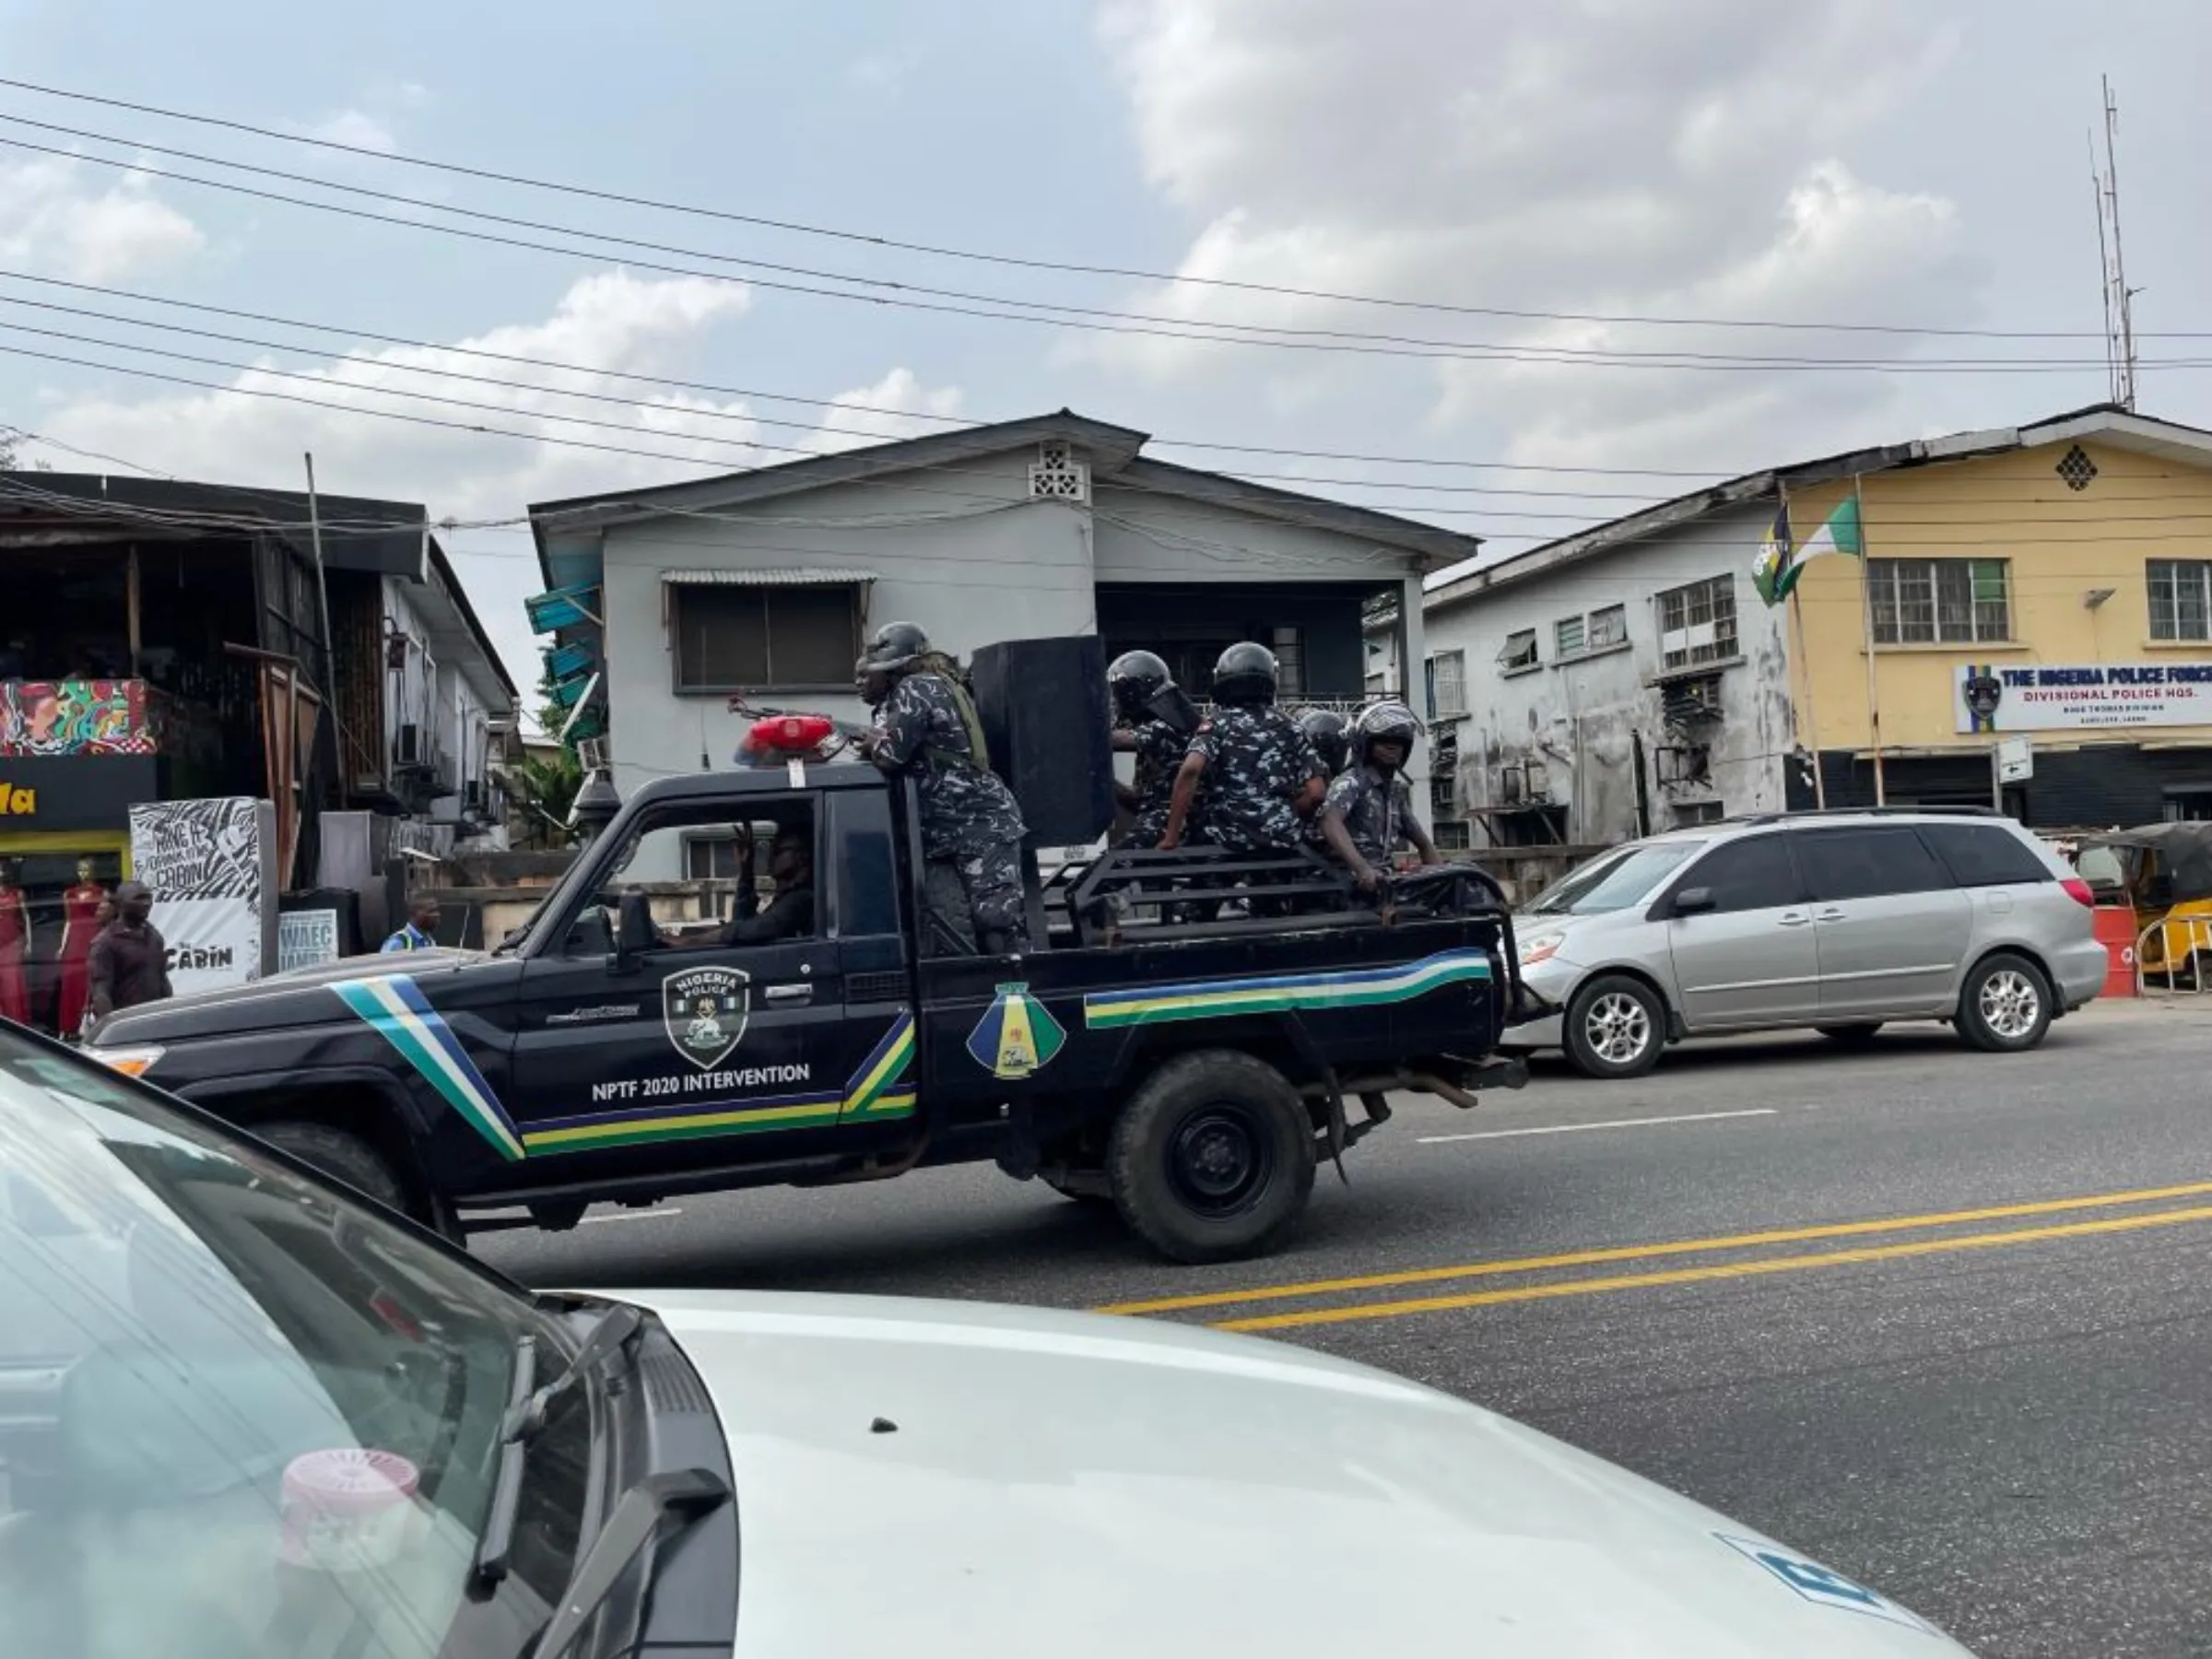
2055 697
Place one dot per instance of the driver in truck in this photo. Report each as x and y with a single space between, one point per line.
788 915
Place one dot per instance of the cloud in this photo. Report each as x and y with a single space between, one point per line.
357 128
1687 159
57 217
876 74
605 325
893 408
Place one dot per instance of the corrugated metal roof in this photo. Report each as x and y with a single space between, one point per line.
796 576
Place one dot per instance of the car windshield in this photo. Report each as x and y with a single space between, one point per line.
1616 881
241 1415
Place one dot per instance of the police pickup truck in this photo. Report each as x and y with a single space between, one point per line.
1187 1058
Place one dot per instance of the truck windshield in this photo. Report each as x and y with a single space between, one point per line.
241 1415
1616 881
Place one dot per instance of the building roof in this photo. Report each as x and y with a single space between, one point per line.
1115 464
359 533
2103 423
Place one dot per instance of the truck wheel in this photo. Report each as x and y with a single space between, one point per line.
1212 1158
2004 1005
345 1158
1614 1028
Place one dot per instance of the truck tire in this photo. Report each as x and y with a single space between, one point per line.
1212 1158
1616 1026
2004 1005
345 1158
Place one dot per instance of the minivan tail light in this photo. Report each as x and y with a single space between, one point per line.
2080 891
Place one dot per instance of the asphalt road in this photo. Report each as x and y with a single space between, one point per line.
1942 1320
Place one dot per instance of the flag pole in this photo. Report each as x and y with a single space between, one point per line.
1812 721
1874 706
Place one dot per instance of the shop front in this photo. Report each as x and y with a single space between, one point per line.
65 844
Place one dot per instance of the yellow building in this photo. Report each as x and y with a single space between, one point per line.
2051 583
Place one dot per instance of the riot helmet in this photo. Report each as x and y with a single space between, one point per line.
1245 675
893 650
1136 677
1388 721
1330 734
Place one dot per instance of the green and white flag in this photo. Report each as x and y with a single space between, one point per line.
1776 571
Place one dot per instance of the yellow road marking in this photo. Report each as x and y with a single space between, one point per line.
1723 1270
1629 1253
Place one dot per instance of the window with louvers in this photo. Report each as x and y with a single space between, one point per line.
1939 601
2180 598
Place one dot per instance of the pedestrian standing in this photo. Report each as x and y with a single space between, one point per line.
421 930
130 958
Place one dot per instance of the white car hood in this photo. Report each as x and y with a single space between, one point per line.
923 1477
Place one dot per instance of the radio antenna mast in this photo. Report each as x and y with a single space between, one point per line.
2119 299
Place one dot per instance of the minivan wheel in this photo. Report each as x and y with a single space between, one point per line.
2004 1005
1850 1036
1616 1026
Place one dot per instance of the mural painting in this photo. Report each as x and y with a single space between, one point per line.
74 717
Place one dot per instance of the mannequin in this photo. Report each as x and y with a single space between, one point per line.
80 907
14 946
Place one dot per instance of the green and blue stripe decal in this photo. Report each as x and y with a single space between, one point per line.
1304 993
395 1009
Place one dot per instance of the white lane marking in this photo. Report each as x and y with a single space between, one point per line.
651 1214
1688 1117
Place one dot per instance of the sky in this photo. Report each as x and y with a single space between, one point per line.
1532 180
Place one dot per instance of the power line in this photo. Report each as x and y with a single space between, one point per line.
729 390
1032 263
989 307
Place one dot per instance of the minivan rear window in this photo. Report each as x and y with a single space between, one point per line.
1983 854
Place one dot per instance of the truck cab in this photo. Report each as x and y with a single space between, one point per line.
639 1038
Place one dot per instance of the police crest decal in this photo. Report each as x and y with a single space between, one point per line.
1017 1035
705 1010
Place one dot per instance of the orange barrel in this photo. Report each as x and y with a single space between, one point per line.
2116 931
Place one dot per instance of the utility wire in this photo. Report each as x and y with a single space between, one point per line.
991 307
1032 263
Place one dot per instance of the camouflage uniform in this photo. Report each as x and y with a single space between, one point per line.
1257 761
1160 751
1376 811
970 821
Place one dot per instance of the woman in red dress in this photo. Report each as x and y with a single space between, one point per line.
14 946
80 925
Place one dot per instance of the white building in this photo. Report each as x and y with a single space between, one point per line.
666 601
1615 683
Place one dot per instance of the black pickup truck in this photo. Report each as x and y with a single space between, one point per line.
1187 1058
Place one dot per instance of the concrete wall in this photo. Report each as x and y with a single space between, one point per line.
1581 717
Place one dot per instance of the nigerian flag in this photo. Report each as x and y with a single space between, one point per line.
1775 571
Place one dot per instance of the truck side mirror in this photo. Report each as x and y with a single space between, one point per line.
634 931
1693 901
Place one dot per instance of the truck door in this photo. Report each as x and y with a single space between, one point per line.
721 1040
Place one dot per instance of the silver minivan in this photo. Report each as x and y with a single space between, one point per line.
1838 922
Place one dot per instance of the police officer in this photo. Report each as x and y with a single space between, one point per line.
1154 721
925 725
1261 776
1331 736
1369 814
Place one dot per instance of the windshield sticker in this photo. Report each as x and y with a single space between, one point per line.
1017 1036
705 1010
1824 1585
